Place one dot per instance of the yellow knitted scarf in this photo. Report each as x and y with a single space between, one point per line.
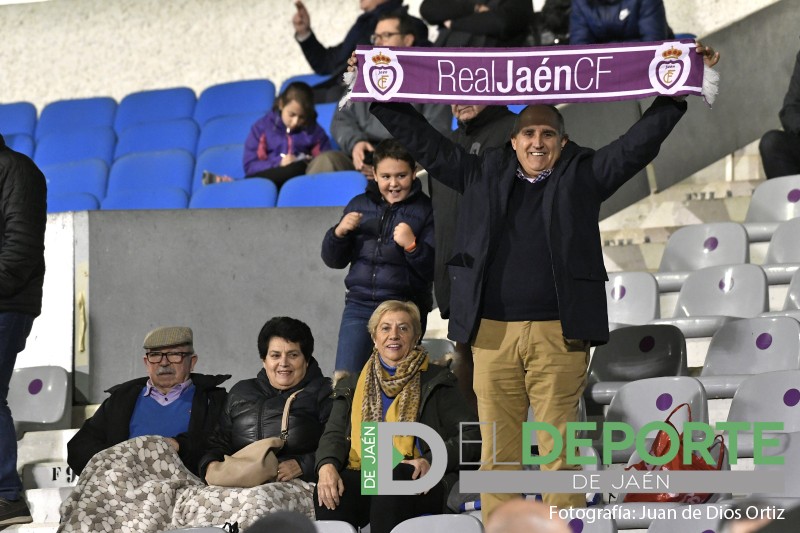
404 387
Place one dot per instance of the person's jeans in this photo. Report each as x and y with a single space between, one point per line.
14 329
355 344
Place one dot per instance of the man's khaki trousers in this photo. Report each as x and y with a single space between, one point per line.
518 364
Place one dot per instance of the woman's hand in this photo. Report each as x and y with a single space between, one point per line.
288 159
403 235
421 466
288 470
710 57
348 223
329 487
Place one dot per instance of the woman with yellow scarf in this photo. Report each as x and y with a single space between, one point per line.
397 384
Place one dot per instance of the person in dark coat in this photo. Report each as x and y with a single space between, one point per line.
780 150
172 402
23 206
527 272
333 60
479 127
398 384
479 23
254 408
386 237
612 21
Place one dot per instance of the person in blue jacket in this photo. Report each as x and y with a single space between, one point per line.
386 236
611 21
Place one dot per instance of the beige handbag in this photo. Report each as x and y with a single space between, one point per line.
256 463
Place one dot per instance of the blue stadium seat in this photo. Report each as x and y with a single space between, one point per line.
325 118
325 189
154 106
516 108
18 117
67 115
145 170
312 79
230 129
71 201
224 160
234 98
152 198
20 142
180 134
255 192
85 143
87 176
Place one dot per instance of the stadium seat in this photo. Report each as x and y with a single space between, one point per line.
234 98
632 299
254 192
791 306
516 108
783 255
774 201
76 145
312 80
746 347
20 142
224 160
438 348
598 524
632 353
152 198
178 134
154 106
714 296
87 176
698 246
645 400
789 470
333 526
324 189
65 116
769 396
144 170
440 523
325 118
40 398
230 129
18 117
71 201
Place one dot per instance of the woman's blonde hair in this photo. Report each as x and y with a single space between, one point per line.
390 306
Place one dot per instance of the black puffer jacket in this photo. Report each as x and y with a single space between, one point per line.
254 409
23 216
379 268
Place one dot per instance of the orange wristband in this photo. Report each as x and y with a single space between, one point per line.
410 248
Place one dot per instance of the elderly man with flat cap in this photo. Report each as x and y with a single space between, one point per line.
171 401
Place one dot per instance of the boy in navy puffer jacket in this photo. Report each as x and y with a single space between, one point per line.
386 236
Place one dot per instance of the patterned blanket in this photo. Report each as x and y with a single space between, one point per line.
141 485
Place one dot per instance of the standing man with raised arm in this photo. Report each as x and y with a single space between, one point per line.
527 272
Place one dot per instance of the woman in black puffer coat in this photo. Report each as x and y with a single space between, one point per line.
254 407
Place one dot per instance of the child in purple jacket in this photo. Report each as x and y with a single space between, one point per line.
283 142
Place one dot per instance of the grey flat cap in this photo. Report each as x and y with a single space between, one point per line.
167 336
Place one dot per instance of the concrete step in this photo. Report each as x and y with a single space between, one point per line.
45 503
50 527
51 474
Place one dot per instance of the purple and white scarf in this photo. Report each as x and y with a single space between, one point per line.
555 74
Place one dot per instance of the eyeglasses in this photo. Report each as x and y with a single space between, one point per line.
172 357
383 36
